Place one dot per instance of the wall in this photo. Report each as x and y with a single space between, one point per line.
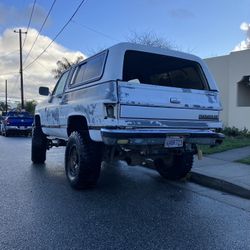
228 71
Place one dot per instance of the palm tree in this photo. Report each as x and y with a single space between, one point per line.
3 106
64 64
29 106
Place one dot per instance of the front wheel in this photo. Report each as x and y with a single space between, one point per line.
83 159
38 146
175 166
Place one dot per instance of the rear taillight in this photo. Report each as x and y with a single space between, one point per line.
110 110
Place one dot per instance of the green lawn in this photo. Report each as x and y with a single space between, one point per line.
228 143
245 160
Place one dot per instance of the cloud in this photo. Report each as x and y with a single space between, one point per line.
181 13
245 44
244 26
39 73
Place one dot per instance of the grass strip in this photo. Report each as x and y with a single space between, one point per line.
245 160
228 144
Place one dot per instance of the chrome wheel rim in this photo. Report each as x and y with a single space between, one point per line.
73 164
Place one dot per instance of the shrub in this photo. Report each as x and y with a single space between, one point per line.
234 132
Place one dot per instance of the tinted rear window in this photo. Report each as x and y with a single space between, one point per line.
149 68
19 114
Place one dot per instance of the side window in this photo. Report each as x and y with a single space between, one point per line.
90 70
60 84
94 67
80 73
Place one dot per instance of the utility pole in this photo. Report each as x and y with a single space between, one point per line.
6 93
21 64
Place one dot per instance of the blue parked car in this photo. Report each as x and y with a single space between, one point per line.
17 123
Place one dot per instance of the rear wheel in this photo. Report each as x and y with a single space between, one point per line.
38 146
83 159
175 167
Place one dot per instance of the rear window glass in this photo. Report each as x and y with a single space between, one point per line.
19 114
90 70
149 68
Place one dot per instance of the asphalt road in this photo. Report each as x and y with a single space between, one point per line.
131 208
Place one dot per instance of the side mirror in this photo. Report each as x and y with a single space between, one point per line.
44 91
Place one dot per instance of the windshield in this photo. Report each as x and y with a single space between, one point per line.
163 70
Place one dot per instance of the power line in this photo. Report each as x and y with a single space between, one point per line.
95 31
61 30
39 64
39 32
32 11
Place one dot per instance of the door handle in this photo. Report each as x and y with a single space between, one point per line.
175 100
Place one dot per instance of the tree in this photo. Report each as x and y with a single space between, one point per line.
29 106
3 106
64 64
150 39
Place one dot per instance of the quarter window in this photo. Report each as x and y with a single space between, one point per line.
80 73
90 70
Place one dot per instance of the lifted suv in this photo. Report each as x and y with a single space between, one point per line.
130 102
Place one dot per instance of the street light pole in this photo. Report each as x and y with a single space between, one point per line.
21 65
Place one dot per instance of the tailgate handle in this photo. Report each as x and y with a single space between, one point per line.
175 100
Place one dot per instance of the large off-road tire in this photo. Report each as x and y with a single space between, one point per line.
83 159
38 146
175 167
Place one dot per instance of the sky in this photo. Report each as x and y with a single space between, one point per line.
204 28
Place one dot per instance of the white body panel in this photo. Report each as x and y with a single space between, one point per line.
136 105
165 103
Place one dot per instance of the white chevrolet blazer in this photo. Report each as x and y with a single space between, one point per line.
130 102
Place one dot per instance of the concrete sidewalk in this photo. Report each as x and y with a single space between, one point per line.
219 171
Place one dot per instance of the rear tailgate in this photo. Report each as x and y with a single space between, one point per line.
151 105
19 122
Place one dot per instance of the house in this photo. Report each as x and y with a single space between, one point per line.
232 74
